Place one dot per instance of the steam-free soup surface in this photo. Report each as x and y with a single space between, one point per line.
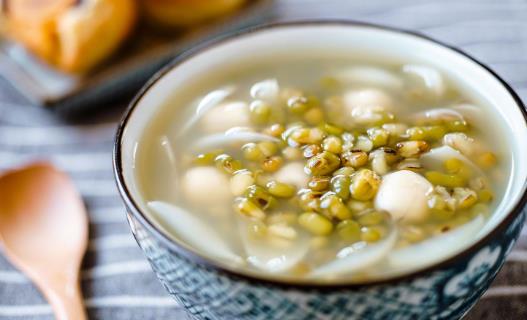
324 169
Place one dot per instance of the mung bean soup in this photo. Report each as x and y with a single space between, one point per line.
323 169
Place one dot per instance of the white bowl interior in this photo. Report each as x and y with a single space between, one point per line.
320 40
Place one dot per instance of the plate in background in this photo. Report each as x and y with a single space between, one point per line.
143 54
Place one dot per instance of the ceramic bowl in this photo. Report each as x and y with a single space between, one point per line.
445 290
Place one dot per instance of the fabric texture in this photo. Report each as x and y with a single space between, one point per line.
117 282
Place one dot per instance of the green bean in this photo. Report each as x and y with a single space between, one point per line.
364 185
372 218
378 162
248 208
315 223
412 149
280 190
363 143
314 116
370 234
354 158
333 206
260 112
227 163
272 164
348 141
340 184
268 148
297 104
306 136
465 197
260 197
331 129
346 171
349 231
486 160
322 164
274 130
443 179
252 152
309 200
378 136
319 183
437 202
332 144
485 195
311 150
416 133
206 159
457 126
428 133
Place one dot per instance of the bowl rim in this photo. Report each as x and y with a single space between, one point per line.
286 283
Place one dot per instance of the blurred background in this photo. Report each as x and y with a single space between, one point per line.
63 89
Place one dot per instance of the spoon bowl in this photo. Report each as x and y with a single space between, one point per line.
44 231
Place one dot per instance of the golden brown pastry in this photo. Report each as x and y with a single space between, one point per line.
72 35
181 13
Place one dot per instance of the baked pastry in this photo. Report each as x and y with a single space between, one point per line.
71 35
182 13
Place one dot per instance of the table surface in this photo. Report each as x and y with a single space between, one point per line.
116 280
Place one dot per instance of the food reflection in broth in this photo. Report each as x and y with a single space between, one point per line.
359 173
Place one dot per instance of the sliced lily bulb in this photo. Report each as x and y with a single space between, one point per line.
211 100
428 77
193 231
463 143
357 257
225 116
292 173
370 76
231 138
438 115
171 159
166 144
437 248
435 159
267 90
207 186
269 252
472 113
367 105
404 195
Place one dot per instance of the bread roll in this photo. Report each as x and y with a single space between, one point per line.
70 35
182 13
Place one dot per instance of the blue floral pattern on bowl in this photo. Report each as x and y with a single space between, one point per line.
446 293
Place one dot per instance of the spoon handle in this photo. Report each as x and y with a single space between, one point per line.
67 302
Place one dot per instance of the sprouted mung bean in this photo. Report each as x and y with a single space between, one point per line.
343 167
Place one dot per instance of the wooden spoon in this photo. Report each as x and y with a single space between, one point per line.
44 230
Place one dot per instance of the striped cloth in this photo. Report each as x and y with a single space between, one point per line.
116 280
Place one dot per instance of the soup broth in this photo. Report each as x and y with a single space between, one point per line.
324 168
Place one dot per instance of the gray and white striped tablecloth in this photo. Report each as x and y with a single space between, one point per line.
116 280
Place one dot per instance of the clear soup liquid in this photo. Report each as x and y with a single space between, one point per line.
324 169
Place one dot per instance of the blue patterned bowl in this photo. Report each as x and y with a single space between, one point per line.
446 290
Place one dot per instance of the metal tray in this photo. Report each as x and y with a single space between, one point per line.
143 54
